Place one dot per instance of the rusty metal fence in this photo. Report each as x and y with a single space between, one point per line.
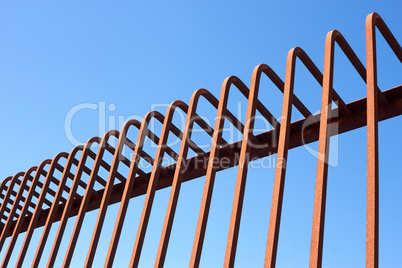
50 192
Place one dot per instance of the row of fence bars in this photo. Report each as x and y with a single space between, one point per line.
27 192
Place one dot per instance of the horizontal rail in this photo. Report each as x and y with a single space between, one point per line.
197 165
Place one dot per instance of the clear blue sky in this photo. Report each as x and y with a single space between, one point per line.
132 55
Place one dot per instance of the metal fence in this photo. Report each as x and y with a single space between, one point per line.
55 190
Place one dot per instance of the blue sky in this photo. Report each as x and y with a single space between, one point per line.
119 59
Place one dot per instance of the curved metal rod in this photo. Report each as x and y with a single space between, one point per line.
122 139
283 145
129 184
19 198
131 177
88 192
222 113
156 169
243 163
3 184
106 196
166 129
323 147
68 205
372 21
178 174
53 209
143 132
10 191
4 187
214 153
158 166
38 205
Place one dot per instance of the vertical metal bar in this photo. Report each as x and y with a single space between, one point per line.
322 159
372 148
214 153
87 196
127 191
3 192
69 203
175 190
38 209
18 198
288 101
372 132
10 189
242 171
325 121
49 219
210 177
28 199
4 187
109 186
108 192
153 181
280 169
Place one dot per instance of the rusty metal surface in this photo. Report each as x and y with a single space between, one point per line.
29 207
